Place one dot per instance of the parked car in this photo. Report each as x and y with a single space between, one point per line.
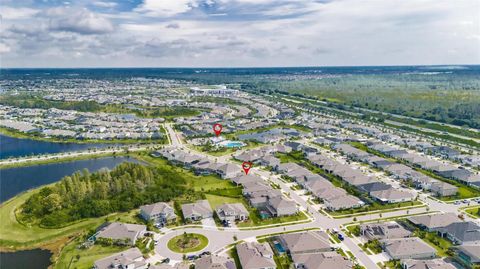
192 257
340 237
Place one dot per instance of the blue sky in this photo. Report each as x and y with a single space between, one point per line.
229 33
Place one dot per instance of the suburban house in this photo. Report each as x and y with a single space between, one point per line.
196 211
460 232
393 195
242 179
305 242
385 230
232 212
214 262
441 188
279 206
426 264
408 248
160 213
343 202
321 260
469 254
122 232
179 265
229 170
434 222
253 255
128 259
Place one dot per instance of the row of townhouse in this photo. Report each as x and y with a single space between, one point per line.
445 170
398 171
442 151
376 189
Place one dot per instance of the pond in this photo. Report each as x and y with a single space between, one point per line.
25 259
20 147
16 180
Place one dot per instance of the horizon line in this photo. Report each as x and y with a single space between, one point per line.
232 67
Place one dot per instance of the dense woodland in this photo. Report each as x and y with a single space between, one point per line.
86 195
454 100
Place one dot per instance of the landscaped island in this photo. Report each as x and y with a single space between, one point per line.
187 242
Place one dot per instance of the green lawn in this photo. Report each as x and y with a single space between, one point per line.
73 257
374 246
197 183
376 206
473 212
255 220
440 244
16 235
234 255
186 243
216 200
354 230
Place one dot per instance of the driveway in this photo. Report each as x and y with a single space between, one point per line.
209 223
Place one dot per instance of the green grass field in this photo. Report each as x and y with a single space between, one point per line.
216 200
16 235
73 257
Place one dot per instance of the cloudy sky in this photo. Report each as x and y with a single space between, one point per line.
229 33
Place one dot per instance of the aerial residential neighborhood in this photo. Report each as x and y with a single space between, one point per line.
307 189
240 134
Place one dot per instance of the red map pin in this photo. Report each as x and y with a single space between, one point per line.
217 128
246 167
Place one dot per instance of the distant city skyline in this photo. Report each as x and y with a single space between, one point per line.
238 33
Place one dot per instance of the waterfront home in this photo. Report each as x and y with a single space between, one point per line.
160 213
196 211
253 255
130 258
122 233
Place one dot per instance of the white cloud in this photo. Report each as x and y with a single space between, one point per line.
166 8
251 33
4 48
79 21
10 13
104 4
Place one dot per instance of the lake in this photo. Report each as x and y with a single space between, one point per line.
16 180
25 259
19 147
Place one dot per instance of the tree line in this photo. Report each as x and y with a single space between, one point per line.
86 195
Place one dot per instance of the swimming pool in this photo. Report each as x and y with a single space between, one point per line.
232 144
